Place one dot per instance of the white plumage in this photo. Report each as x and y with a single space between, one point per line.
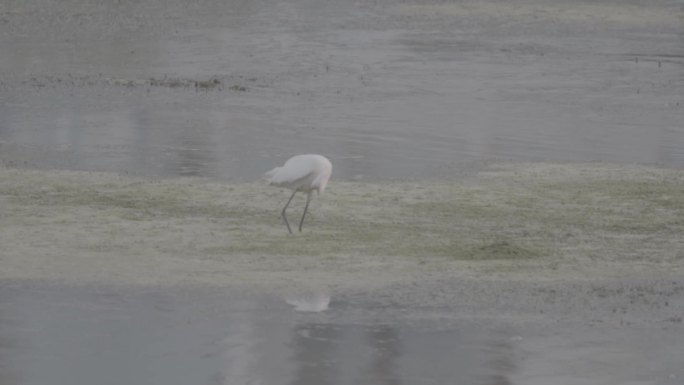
304 173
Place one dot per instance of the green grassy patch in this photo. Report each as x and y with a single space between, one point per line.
556 213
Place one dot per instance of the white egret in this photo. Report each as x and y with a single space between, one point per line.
304 173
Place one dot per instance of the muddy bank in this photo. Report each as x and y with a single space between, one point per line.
530 238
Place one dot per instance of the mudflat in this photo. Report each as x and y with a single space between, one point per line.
590 228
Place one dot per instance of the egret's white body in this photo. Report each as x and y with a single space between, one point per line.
304 173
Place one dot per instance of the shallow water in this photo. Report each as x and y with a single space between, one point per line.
86 335
385 89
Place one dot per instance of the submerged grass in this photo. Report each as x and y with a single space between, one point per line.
515 213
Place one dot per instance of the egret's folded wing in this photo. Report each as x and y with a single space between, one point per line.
288 177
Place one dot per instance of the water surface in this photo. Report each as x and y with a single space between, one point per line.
385 89
86 335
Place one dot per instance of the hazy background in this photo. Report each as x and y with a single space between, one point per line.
386 89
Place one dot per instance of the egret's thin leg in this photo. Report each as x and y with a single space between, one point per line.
308 199
285 208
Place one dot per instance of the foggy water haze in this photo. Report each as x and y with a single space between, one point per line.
387 90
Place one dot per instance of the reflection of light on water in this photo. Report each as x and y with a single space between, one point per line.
315 303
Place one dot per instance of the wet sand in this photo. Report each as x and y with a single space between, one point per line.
506 203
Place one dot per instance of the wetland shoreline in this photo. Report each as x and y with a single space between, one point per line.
546 237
